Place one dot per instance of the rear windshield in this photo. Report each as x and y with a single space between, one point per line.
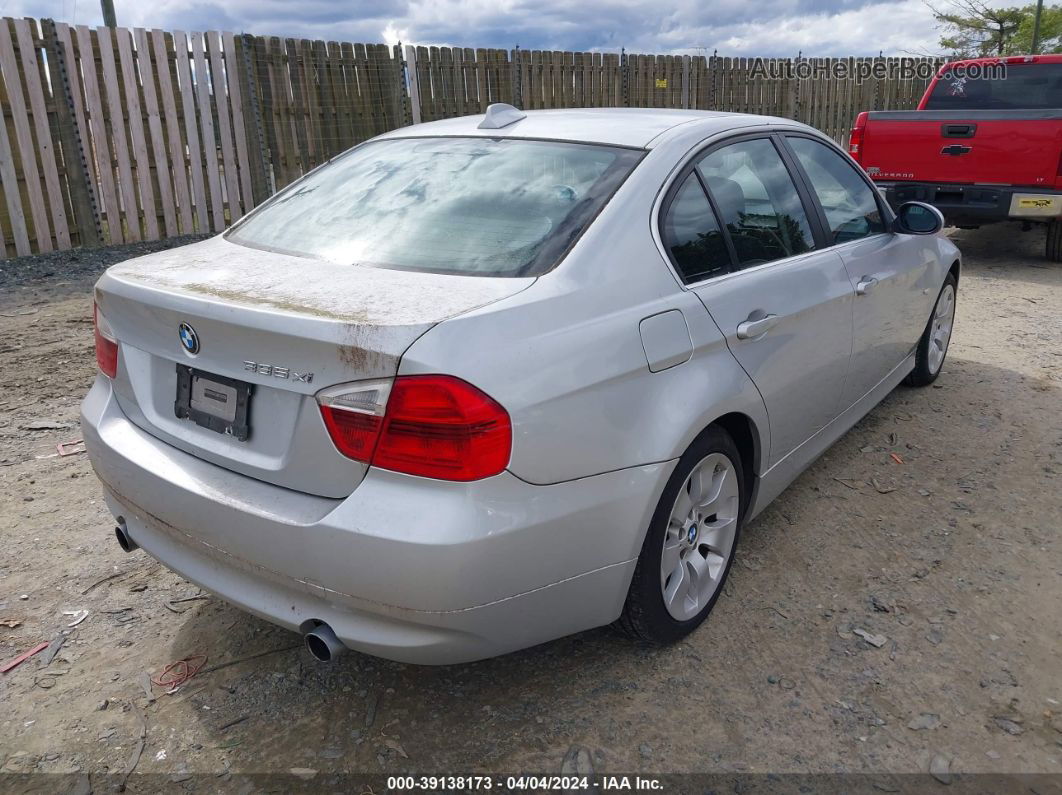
1035 86
452 205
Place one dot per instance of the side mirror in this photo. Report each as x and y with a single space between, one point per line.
918 218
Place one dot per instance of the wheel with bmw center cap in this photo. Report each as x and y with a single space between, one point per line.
689 547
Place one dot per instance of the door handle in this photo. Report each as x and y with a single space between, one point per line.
958 130
866 284
748 329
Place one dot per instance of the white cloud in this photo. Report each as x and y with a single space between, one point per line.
892 28
733 27
392 35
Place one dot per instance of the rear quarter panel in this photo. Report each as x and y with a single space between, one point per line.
566 360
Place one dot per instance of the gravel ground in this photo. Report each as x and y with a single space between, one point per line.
28 280
948 550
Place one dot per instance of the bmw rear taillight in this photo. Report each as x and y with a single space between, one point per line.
106 344
353 414
436 426
855 142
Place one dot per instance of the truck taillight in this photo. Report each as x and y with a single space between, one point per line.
436 426
106 344
855 142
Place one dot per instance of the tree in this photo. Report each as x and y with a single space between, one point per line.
973 29
1050 32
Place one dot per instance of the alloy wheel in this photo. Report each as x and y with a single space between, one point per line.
700 536
940 330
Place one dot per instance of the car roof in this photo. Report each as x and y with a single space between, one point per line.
634 127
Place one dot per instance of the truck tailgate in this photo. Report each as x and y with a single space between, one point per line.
1011 147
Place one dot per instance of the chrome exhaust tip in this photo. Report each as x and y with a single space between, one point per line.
323 644
125 541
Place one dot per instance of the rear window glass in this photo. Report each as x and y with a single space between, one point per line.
1036 86
693 236
448 205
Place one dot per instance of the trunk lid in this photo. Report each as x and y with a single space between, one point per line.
289 326
1012 147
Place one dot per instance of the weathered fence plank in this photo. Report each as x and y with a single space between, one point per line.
135 123
239 127
158 143
31 69
24 139
15 213
100 139
150 133
206 126
73 139
191 131
220 79
167 88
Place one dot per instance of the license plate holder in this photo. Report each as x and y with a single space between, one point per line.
214 402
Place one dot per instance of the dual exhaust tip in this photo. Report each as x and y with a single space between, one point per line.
321 641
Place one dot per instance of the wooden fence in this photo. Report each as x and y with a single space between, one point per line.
122 135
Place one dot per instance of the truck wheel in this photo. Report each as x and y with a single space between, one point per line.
1054 241
689 547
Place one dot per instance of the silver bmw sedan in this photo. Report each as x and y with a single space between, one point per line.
484 382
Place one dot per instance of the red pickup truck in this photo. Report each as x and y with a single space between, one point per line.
985 145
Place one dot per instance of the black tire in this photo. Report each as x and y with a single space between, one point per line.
1054 241
645 617
923 373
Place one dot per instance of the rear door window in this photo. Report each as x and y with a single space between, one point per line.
757 200
693 236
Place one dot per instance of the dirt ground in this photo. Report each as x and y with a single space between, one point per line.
933 524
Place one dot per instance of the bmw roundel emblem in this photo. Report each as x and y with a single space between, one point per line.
189 339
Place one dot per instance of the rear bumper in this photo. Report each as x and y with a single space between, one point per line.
973 205
411 569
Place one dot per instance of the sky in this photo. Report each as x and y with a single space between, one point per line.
768 28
